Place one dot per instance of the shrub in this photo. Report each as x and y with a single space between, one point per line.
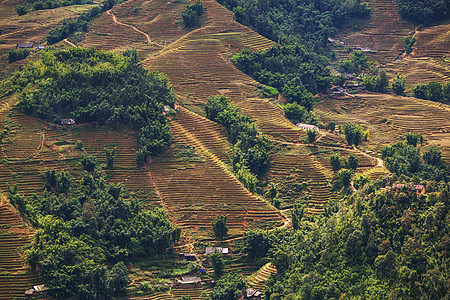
17 54
399 84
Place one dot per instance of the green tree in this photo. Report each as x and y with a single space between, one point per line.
219 226
110 154
217 263
21 9
118 279
331 126
353 161
399 85
312 135
335 162
231 287
257 243
353 133
89 162
433 156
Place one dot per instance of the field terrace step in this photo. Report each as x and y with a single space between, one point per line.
383 31
293 166
258 280
195 191
14 275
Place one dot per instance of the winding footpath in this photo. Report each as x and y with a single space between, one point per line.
134 28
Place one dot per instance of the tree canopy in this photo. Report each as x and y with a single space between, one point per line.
93 85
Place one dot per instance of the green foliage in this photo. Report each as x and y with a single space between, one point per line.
21 9
219 226
312 135
331 126
433 91
231 287
93 85
217 263
353 161
117 280
298 214
192 13
50 4
381 244
433 156
251 150
399 84
299 113
110 154
270 91
312 22
414 138
409 43
291 69
424 12
17 54
85 225
360 180
69 27
343 178
335 162
376 83
353 133
402 158
257 243
89 162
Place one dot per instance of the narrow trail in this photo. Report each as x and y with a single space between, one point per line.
134 28
70 43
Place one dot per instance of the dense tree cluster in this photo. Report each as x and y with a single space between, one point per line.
91 85
381 244
17 54
292 69
433 91
192 13
57 34
424 11
251 148
405 158
49 4
85 225
229 288
297 65
309 21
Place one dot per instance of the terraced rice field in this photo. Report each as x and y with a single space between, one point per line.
258 280
15 278
322 154
293 165
383 31
388 117
194 291
29 28
427 61
198 189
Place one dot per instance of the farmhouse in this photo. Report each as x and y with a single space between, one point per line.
190 280
336 91
24 45
187 256
420 189
211 250
307 126
67 122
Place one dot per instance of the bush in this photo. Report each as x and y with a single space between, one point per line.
399 84
192 13
21 9
220 227
353 133
17 54
299 113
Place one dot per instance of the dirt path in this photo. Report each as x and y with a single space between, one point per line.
134 28
70 43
